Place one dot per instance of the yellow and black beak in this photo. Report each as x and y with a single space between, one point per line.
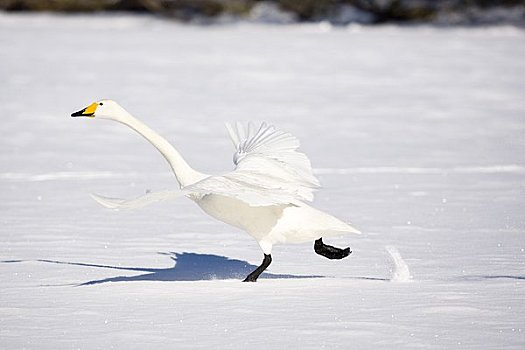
89 111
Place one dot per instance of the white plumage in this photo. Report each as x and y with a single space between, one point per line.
269 169
264 195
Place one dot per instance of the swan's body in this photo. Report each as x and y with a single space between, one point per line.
274 224
265 195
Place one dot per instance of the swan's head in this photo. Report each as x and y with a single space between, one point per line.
106 109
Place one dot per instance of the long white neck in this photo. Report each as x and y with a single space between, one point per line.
184 173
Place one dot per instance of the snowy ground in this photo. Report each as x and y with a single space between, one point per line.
417 134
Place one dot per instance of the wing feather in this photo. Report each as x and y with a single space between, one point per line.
269 169
139 202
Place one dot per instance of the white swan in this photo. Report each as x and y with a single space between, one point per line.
265 195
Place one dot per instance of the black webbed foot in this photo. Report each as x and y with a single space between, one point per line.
330 252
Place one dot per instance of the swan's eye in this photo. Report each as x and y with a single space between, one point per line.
100 104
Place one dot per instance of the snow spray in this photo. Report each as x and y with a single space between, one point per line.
401 272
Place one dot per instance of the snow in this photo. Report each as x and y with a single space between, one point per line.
401 272
416 133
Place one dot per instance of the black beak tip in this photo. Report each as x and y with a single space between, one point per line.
78 114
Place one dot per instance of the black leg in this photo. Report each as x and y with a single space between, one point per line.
330 252
252 277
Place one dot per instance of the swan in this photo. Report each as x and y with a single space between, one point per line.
265 195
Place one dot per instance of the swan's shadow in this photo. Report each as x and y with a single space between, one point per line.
187 267
491 277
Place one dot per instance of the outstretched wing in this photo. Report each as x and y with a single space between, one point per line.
139 202
271 151
269 169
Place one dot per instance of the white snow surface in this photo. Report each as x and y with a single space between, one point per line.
416 133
